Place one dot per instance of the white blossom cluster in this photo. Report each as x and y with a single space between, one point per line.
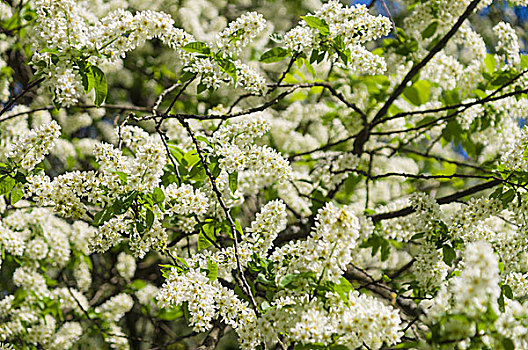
114 308
64 28
264 229
329 248
186 200
515 158
126 265
354 25
261 220
238 153
507 46
359 319
331 171
476 288
44 244
445 12
30 149
239 33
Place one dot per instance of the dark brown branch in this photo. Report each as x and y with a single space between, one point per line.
436 157
106 106
213 338
414 176
365 133
442 200
245 286
11 102
228 116
283 75
406 305
417 67
455 106
333 91
178 95
454 114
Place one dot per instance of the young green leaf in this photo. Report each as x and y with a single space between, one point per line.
430 30
197 47
6 184
98 80
317 23
419 93
233 181
16 194
274 55
212 270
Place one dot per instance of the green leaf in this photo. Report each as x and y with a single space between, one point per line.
288 280
158 196
204 139
186 313
507 291
430 30
186 76
103 216
338 347
418 93
138 284
409 345
310 67
227 66
490 62
201 88
385 249
16 194
119 207
343 289
6 184
317 56
20 178
141 225
274 55
317 23
449 254
203 241
238 227
122 176
197 47
508 344
98 80
500 301
197 173
501 80
507 197
191 158
171 314
149 217
233 181
344 55
212 270
176 152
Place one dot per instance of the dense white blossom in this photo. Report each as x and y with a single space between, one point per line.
319 179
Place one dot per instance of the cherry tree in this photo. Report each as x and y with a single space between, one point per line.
262 175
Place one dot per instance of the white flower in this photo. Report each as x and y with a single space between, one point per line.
30 149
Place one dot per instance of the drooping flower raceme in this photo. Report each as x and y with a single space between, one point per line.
31 149
350 26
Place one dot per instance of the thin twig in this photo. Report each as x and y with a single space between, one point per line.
11 102
232 225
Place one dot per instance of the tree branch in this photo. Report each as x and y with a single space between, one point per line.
442 200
